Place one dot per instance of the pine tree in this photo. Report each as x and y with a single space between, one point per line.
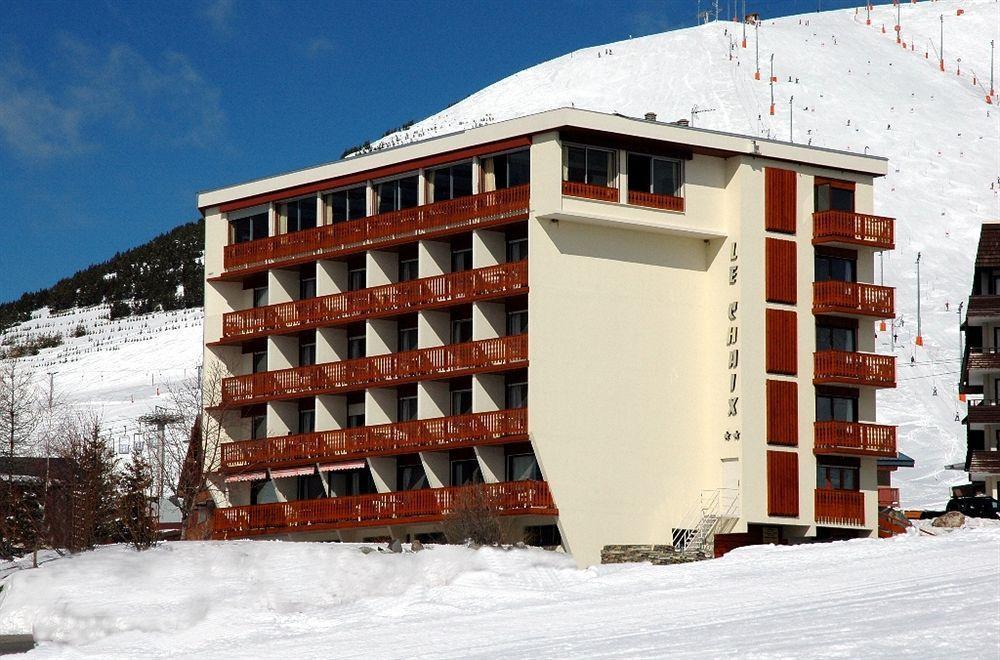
135 513
93 490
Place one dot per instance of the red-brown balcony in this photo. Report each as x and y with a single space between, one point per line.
850 368
888 497
984 462
654 201
840 507
589 191
398 508
846 227
400 298
984 411
437 219
453 360
854 439
853 299
441 433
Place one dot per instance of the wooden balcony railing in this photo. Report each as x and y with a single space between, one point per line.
397 508
384 439
857 298
852 368
853 228
984 411
576 189
390 369
887 497
840 507
399 298
855 439
665 202
382 230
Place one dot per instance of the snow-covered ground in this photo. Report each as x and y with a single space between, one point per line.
913 596
118 371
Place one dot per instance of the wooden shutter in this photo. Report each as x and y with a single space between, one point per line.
779 200
781 342
782 413
779 266
782 483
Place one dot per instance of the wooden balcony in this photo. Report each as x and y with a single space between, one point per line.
840 507
449 361
664 202
378 231
602 193
854 439
850 368
441 433
853 299
398 508
400 298
853 229
984 411
984 461
887 497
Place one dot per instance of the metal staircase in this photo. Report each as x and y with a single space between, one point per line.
715 512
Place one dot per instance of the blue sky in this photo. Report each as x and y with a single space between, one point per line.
114 114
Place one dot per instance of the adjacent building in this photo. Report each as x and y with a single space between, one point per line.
981 368
623 331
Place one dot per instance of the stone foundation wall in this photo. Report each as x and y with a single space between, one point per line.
655 554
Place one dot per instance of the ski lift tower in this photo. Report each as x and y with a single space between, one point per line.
160 418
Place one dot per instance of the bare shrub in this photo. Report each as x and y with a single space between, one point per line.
475 518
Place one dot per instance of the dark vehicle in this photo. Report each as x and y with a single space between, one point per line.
975 507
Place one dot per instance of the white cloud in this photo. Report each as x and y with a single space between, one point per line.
218 13
317 46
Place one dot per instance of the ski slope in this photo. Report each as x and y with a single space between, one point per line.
854 88
913 596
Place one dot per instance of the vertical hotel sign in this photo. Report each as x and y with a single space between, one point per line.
732 341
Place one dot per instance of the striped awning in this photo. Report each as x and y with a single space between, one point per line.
339 467
296 471
246 476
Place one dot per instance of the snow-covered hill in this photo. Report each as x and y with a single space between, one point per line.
854 88
913 596
120 369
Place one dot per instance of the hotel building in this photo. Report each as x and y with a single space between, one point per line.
624 331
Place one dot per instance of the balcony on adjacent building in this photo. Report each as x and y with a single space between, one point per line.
854 439
449 361
589 191
840 507
853 299
888 497
846 227
984 411
396 508
378 231
438 434
399 298
984 462
851 368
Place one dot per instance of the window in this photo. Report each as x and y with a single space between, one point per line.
260 296
249 228
835 339
465 471
354 482
259 362
307 418
300 214
406 404
545 536
461 397
648 174
461 326
461 254
258 427
355 346
588 165
410 474
834 197
832 408
523 467
356 411
307 350
449 182
517 245
408 335
345 204
356 277
409 264
830 267
517 321
516 391
506 170
397 194
309 487
307 283
837 473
